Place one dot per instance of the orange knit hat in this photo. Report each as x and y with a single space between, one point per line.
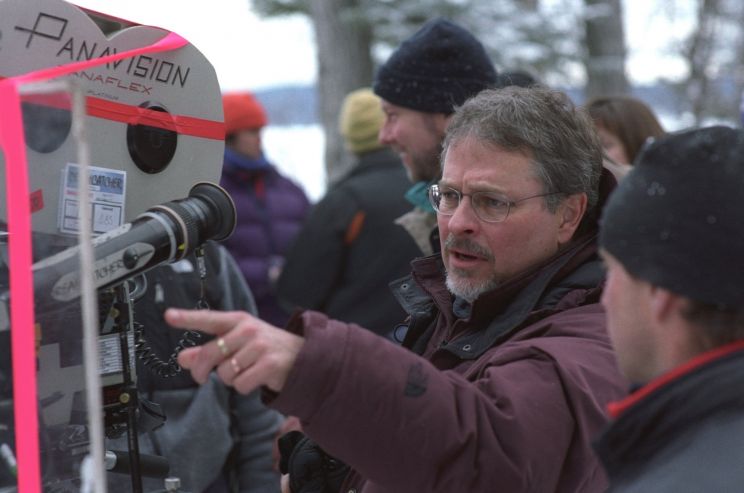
242 112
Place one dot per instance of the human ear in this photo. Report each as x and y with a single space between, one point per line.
570 213
664 304
676 340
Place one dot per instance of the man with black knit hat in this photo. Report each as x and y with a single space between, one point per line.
421 84
672 239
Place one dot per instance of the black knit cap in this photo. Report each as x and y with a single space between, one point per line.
677 219
436 69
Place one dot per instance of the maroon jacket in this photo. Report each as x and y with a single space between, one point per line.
506 399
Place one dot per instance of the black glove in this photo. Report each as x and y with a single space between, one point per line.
310 469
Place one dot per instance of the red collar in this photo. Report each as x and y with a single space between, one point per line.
615 409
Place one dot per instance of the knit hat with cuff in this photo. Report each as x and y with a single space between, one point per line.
436 69
676 219
360 120
242 112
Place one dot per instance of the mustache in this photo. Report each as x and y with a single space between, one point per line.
467 246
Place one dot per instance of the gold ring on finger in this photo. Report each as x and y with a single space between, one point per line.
235 366
223 346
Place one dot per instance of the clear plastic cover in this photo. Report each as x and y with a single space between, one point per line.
53 128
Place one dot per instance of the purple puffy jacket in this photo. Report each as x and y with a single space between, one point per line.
270 211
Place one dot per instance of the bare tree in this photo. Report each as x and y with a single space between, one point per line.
519 34
344 40
697 53
605 48
738 68
712 51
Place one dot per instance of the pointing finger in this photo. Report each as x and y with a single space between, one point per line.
188 356
202 359
208 321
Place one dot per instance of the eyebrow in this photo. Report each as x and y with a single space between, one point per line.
478 187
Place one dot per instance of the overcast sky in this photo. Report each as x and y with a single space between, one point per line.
252 53
246 52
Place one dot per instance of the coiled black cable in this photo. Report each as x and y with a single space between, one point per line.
152 361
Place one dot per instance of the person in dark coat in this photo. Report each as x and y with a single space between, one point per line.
424 80
270 207
506 367
672 240
350 249
239 429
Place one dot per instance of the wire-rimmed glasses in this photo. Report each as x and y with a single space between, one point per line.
490 207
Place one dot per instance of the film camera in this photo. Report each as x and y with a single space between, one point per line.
153 141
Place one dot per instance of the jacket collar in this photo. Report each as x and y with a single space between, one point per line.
540 289
616 409
652 417
500 312
237 161
373 160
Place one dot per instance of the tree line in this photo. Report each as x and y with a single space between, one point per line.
563 43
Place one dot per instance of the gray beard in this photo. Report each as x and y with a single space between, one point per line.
460 287
469 291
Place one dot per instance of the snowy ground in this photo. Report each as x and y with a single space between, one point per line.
298 152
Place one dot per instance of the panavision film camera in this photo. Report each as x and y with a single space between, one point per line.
148 140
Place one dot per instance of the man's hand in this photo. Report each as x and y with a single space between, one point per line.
247 352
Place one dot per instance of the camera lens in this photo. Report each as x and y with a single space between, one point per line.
46 128
151 148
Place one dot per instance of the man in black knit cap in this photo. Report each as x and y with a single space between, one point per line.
672 240
421 84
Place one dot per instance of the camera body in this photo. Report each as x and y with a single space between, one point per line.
154 137
154 123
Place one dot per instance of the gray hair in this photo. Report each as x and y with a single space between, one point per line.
559 138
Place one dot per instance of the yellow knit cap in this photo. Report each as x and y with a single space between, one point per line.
360 120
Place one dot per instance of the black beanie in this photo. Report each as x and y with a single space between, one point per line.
677 219
436 69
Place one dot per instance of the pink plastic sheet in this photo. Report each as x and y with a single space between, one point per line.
21 281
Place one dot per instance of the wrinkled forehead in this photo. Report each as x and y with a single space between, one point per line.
483 147
480 164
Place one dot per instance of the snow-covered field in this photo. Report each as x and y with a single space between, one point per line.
298 152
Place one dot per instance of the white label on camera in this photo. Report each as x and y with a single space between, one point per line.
107 191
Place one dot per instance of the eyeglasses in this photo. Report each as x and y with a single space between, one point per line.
488 206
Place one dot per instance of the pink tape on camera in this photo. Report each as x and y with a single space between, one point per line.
23 348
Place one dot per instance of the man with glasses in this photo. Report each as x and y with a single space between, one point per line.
506 365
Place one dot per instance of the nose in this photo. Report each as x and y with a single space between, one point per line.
464 220
385 136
